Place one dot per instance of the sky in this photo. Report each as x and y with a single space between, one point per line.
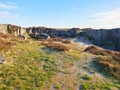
61 13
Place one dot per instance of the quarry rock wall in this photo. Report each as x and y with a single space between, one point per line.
106 38
52 32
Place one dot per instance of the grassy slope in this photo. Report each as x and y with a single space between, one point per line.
32 66
25 68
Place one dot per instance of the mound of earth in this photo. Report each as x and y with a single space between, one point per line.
109 60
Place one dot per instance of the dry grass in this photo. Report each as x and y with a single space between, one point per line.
8 37
95 50
109 60
3 35
5 45
99 51
110 65
6 41
57 39
57 46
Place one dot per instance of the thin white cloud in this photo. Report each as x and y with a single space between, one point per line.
8 15
8 6
6 10
4 14
12 3
107 16
110 19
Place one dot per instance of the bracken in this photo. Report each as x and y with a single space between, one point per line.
57 46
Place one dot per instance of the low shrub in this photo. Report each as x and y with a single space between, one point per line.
6 36
57 39
110 65
66 41
4 45
3 35
109 60
95 50
57 46
99 51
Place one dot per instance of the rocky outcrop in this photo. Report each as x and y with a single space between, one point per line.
109 39
106 38
52 32
12 29
38 32
3 28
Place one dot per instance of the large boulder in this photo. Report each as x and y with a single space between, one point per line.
3 28
14 30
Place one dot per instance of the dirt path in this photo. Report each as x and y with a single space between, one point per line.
84 74
82 42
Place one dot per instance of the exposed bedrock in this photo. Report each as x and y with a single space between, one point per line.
63 33
12 29
106 38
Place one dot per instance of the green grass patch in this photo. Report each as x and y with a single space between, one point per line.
29 70
56 86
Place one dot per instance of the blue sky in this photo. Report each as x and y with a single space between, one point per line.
61 13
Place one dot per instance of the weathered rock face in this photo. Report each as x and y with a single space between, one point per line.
12 29
38 31
109 39
3 28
